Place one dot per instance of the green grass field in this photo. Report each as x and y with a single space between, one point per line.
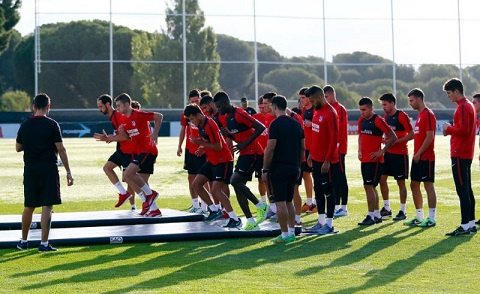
388 257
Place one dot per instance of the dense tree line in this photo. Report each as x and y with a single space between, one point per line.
156 84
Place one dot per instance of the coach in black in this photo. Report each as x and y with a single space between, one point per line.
281 165
40 139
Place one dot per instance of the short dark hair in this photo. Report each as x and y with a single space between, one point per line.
302 91
194 93
124 98
191 109
417 92
313 90
41 101
269 95
280 101
105 98
476 96
206 100
389 97
205 93
135 104
365 101
260 100
452 85
243 99
221 96
329 89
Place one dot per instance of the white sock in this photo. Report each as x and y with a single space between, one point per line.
471 224
432 212
386 204
403 207
344 207
321 218
219 206
337 207
329 222
142 196
213 207
309 201
232 214
251 220
291 231
465 226
298 219
23 241
146 189
44 243
264 198
120 188
133 206
420 214
376 213
371 214
204 206
273 207
284 234
195 203
153 206
260 204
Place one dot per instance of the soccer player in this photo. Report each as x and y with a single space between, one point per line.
40 139
371 128
323 158
261 116
247 108
218 167
194 156
462 145
340 185
307 116
136 125
396 158
423 161
281 166
244 130
476 104
104 105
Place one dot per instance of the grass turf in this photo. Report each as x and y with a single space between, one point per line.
388 257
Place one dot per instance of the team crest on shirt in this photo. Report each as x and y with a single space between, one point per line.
320 118
133 122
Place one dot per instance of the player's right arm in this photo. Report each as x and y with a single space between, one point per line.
181 137
62 152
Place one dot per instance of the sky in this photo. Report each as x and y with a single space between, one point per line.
422 31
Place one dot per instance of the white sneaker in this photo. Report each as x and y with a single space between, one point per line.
340 213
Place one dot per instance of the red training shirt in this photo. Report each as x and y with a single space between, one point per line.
462 141
210 133
342 127
370 133
325 135
426 121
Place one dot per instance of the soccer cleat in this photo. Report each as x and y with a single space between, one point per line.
385 213
413 222
150 198
298 224
312 209
195 210
122 198
154 213
305 207
22 245
400 216
251 227
477 222
368 221
233 223
326 229
378 220
427 223
261 213
458 232
145 208
271 215
314 229
472 230
280 240
340 212
213 215
43 248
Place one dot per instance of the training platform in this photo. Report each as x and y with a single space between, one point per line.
161 232
99 218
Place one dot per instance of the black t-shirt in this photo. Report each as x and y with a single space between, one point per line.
289 134
250 110
38 135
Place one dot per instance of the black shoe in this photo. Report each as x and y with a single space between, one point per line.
477 222
233 223
22 245
400 216
213 215
385 213
472 230
43 248
458 231
368 221
377 220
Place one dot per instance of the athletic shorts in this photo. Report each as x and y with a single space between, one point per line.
423 171
41 186
193 163
371 173
247 164
116 158
221 172
281 183
258 167
304 166
145 162
396 165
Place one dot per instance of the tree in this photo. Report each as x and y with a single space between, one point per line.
7 76
289 80
15 101
9 17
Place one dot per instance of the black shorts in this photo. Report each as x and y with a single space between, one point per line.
247 164
193 163
145 162
41 186
281 183
221 172
423 171
116 158
396 165
371 173
305 168
259 166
